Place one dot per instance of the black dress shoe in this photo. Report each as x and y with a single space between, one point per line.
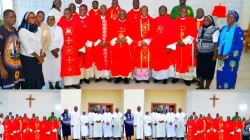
66 87
126 81
87 81
165 81
146 81
156 81
97 80
188 83
58 87
117 80
81 81
76 86
137 81
175 80
108 80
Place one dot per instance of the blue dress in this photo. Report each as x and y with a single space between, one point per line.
227 70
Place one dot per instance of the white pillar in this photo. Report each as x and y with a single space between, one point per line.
133 98
70 99
7 4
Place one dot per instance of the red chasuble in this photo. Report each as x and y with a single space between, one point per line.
27 132
228 128
94 14
76 15
162 37
37 127
192 129
121 56
44 129
7 130
32 120
102 56
14 128
183 54
72 43
237 135
87 34
200 126
53 126
133 15
18 128
113 13
211 130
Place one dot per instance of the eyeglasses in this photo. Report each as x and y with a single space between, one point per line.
31 17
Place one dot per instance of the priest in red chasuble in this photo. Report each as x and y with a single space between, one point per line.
95 13
237 128
44 129
14 128
142 33
72 49
7 129
211 130
37 129
191 129
134 13
87 70
228 129
183 48
72 7
27 130
221 129
53 129
163 37
102 54
113 11
121 66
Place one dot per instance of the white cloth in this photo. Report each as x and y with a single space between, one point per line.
180 122
163 74
117 122
146 127
107 126
170 129
91 128
1 131
138 122
98 126
84 128
154 121
55 63
75 121
30 42
71 80
160 128
56 13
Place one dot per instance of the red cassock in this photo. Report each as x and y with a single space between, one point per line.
95 14
37 130
113 13
102 56
162 37
53 130
7 130
121 56
44 128
87 35
211 130
27 131
183 57
228 128
237 125
73 42
192 130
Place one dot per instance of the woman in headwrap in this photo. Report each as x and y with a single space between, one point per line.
229 52
207 52
31 52
56 10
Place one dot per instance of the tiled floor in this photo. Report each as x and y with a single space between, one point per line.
243 81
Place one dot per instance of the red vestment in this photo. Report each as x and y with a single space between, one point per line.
27 131
121 56
32 121
211 130
14 128
236 126
95 14
200 128
37 130
228 128
54 130
199 23
113 13
133 15
7 130
18 123
44 129
192 130
183 57
73 42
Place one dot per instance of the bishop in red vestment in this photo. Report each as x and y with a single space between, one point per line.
237 127
161 64
191 129
102 52
142 33
95 13
72 49
87 70
113 11
54 129
44 129
183 54
7 129
121 66
228 129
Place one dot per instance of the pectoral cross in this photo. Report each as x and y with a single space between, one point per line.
68 40
214 99
183 28
30 99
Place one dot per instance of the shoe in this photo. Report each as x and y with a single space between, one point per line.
188 83
126 81
175 80
146 81
156 81
81 81
194 81
108 80
165 81
76 86
200 88
87 81
66 87
137 81
51 87
58 87
117 80
97 80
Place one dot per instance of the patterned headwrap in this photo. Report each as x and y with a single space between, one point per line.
24 24
236 15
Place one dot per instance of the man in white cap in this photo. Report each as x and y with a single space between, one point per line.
84 125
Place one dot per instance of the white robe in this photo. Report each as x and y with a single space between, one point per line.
170 129
154 121
98 126
91 127
107 126
56 13
160 128
55 63
117 122
180 122
147 128
84 128
1 131
75 121
138 121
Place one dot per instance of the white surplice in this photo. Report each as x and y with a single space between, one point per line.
91 121
117 122
160 128
180 122
138 122
146 127
55 63
170 129
1 130
84 125
107 126
154 121
75 121
98 126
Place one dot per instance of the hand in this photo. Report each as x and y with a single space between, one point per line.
195 54
55 53
124 40
155 124
118 41
168 50
180 43
80 53
223 58
4 74
171 123
40 59
214 58
219 57
144 44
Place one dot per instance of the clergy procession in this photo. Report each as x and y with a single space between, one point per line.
75 45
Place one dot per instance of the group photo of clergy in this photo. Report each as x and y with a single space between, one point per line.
72 46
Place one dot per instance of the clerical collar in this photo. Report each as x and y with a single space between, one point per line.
103 17
183 18
137 9
200 19
144 17
95 10
122 21
82 17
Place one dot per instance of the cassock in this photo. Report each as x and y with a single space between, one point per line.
91 128
147 123
44 130
117 124
87 70
180 122
102 56
84 125
1 131
70 65
192 130
54 130
98 119
53 62
75 121
170 128
211 130
121 59
113 13
27 131
228 130
142 31
95 14
183 55
107 126
237 127
138 122
161 125
162 61
154 123
7 130
37 130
